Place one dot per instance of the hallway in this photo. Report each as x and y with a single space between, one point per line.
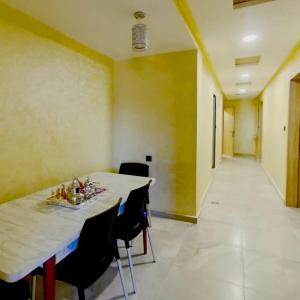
246 244
192 94
244 247
252 240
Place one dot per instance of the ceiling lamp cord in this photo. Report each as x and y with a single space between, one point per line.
139 33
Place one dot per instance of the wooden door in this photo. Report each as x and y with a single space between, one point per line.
228 134
298 197
293 132
259 131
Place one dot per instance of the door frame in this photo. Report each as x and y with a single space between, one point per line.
292 183
233 132
259 129
214 141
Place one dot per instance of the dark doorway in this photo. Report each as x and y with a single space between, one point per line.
214 131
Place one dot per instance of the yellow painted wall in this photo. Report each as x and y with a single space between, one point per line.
155 113
275 117
56 108
206 88
246 125
56 114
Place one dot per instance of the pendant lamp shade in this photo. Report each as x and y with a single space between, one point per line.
139 33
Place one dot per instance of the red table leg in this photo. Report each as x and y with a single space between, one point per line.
145 239
49 279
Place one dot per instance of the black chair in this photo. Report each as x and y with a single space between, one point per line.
132 222
138 169
15 291
95 251
133 168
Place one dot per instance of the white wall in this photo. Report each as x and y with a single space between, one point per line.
206 88
275 118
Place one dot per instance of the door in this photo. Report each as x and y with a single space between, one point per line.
259 131
293 132
214 131
298 196
228 134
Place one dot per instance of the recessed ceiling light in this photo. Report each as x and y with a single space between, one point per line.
243 91
250 38
245 75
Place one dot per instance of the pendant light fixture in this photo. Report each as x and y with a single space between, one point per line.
139 33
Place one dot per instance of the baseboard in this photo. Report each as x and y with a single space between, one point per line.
273 183
245 155
207 188
173 216
186 218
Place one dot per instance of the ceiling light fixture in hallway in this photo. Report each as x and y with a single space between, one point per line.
250 38
139 33
245 75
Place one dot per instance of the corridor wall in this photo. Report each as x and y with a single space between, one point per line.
275 123
164 107
206 89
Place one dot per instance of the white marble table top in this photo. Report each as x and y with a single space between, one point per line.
32 231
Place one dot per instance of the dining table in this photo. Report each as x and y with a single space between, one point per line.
34 233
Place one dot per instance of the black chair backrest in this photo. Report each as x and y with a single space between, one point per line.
96 237
17 290
135 206
133 168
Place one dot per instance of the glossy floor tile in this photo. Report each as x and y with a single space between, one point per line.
246 246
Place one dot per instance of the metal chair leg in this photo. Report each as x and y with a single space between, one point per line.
149 214
81 294
122 278
33 287
151 244
131 269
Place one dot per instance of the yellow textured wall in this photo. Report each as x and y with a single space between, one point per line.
56 110
246 125
275 117
206 88
155 113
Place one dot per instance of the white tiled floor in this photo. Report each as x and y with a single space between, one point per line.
246 246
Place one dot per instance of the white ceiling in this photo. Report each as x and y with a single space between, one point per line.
105 25
276 23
